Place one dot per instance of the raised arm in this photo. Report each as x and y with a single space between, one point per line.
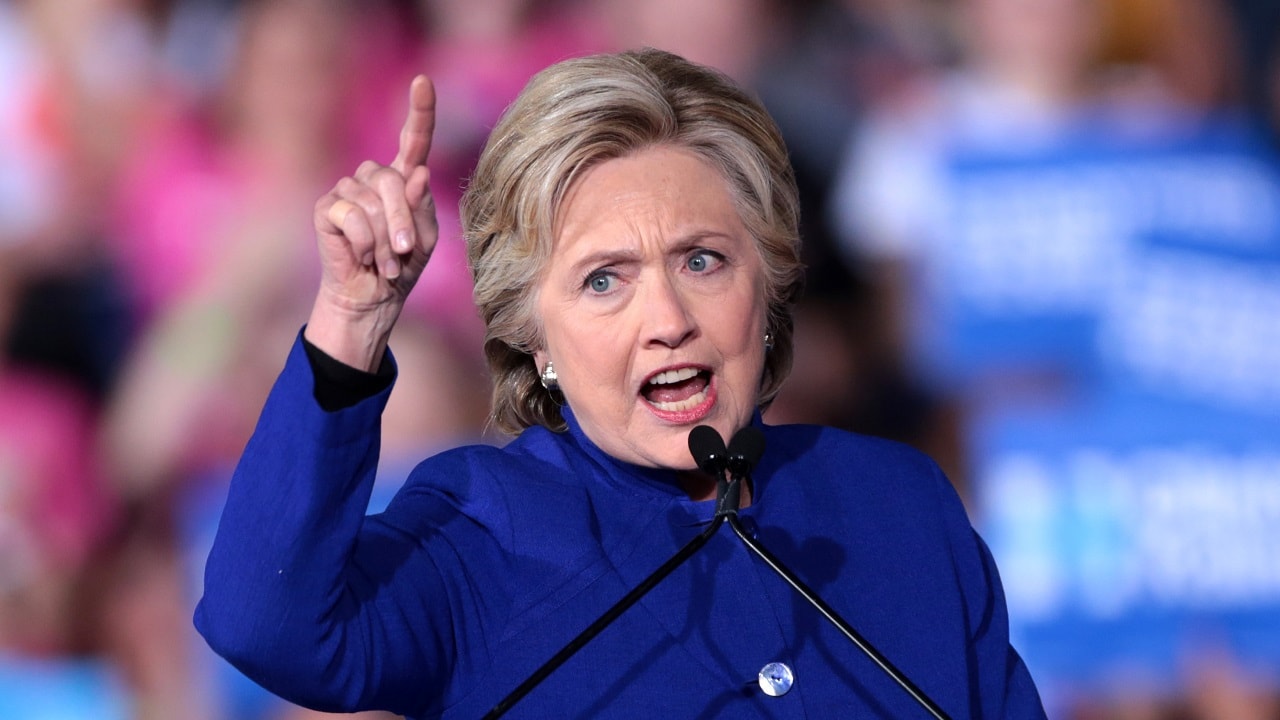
303 593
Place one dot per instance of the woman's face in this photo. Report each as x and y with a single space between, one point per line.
652 306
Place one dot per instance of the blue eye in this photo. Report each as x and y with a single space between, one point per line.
600 282
702 260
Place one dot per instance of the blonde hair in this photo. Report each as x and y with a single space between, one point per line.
581 112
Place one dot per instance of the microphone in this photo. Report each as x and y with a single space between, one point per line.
745 450
708 450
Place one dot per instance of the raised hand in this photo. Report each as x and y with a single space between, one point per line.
375 230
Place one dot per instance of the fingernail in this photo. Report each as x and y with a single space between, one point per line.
391 269
403 241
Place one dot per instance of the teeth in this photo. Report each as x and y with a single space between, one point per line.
673 376
682 405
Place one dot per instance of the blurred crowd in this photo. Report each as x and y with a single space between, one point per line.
159 160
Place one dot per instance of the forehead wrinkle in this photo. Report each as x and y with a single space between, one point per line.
605 257
646 219
623 237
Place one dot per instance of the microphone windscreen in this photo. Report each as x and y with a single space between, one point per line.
707 448
748 445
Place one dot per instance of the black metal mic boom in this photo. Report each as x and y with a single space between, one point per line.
738 460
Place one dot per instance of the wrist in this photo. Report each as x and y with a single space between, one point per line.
353 336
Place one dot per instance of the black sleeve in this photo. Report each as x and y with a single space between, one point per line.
339 385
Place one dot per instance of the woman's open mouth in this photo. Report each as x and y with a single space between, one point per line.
681 394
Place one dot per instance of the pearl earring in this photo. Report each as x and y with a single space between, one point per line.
768 342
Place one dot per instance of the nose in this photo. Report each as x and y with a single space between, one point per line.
668 320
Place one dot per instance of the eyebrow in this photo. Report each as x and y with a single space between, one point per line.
620 256
602 258
696 238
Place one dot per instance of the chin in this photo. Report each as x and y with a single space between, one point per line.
667 450
682 464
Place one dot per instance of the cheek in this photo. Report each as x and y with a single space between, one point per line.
747 343
752 320
594 355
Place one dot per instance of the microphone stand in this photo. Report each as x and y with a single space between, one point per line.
731 513
728 498
604 620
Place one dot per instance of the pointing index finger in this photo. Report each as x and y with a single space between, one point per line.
419 124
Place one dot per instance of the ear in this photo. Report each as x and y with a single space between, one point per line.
540 359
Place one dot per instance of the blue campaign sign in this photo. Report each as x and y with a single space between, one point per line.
1133 535
1137 525
1197 319
1035 243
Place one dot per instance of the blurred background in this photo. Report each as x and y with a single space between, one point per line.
1043 240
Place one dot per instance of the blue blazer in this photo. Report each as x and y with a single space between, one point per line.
490 559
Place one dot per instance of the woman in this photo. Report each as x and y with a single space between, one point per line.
631 228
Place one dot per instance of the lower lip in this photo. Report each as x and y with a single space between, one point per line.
692 415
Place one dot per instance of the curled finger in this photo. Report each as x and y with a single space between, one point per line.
372 209
390 187
338 212
352 222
